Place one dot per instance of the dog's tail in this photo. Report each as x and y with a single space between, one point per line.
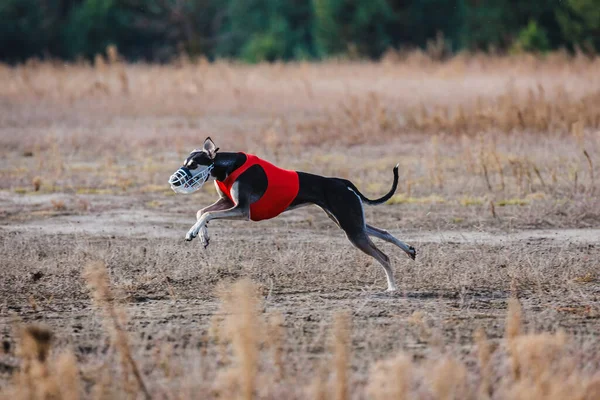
381 199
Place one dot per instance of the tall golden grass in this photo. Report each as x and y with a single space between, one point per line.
522 365
489 111
467 94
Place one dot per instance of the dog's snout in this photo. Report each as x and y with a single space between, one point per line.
174 181
184 181
177 178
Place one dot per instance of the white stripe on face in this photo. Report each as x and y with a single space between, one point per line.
191 157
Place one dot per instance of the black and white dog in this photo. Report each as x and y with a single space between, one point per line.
252 189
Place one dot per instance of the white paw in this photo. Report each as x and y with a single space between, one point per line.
204 238
192 233
391 288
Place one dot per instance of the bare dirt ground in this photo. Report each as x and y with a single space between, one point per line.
461 280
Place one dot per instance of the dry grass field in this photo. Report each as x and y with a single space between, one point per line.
100 296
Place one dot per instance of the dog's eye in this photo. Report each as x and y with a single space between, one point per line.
192 165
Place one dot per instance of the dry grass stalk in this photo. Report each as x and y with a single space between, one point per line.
113 54
36 341
244 328
486 176
539 175
449 380
58 205
437 170
499 170
103 388
391 379
99 63
32 302
67 374
96 275
536 355
549 370
124 81
591 167
37 183
529 178
35 379
317 390
518 175
512 331
577 130
484 354
483 160
493 209
341 355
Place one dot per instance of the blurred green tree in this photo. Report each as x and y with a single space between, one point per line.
267 30
358 26
579 22
22 29
532 38
91 26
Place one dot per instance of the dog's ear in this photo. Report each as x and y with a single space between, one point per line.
210 148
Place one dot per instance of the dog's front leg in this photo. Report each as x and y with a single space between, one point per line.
236 212
222 204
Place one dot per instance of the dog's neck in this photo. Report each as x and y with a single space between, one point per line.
225 164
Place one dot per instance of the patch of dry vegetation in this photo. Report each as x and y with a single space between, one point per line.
471 126
481 141
522 365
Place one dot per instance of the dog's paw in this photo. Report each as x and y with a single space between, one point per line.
190 235
204 238
412 252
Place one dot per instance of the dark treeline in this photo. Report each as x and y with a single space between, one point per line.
257 30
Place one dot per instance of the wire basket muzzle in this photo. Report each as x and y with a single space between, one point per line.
185 181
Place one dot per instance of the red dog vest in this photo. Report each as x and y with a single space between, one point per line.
282 188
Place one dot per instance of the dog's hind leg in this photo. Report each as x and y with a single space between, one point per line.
331 217
385 235
345 208
362 242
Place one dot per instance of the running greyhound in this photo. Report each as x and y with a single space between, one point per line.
250 188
